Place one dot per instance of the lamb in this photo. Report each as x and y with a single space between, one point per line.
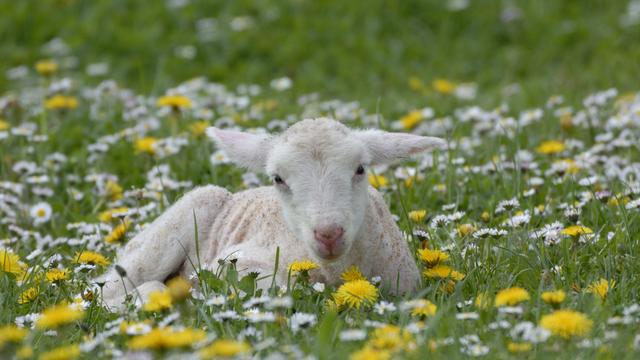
320 207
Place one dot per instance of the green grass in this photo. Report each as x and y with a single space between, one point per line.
351 51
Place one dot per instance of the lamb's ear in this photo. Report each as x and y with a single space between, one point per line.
244 149
387 147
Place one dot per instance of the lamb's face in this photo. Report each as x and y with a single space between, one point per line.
320 177
319 170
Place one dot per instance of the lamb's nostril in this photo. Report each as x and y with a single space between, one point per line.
328 235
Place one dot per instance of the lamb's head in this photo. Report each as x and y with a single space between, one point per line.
319 170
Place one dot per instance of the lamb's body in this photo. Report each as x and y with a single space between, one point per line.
320 208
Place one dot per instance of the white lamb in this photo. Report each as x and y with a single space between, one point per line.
320 207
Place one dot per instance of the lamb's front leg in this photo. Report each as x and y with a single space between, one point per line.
162 248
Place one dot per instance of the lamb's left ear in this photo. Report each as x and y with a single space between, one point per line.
387 147
243 148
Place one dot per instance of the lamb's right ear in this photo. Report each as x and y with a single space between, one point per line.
244 149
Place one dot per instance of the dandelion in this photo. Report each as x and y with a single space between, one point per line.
378 181
11 334
175 101
576 230
424 308
67 352
410 120
24 352
514 347
178 288
511 296
432 258
61 102
40 213
369 353
158 301
354 294
46 67
4 125
113 190
28 295
146 145
465 229
303 265
118 232
352 274
108 215
601 288
443 272
443 86
198 128
223 348
57 316
566 323
10 262
554 298
166 338
56 275
417 215
390 338
91 258
550 147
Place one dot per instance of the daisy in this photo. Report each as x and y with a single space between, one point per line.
41 213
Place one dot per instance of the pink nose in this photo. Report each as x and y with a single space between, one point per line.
328 235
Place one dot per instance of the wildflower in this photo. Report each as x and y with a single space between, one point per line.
378 181
485 217
166 338
90 257
222 348
158 301
356 293
67 352
108 215
443 272
41 213
46 67
58 315
61 102
118 232
432 258
352 274
566 323
511 296
424 308
554 298
24 352
601 288
28 295
443 86
10 262
410 120
301 320
576 230
178 288
113 190
3 125
56 275
369 353
465 229
11 334
417 215
175 101
550 147
146 145
198 128
303 265
390 338
514 347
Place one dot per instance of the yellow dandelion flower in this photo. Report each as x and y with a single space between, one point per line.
146 145
424 308
465 229
378 181
91 258
302 265
432 258
443 86
158 301
223 348
46 67
566 323
28 295
24 352
576 230
178 288
113 190
118 232
175 101
511 296
61 102
352 274
10 262
514 347
485 217
58 315
4 125
550 147
369 353
390 338
67 352
354 294
416 84
198 128
55 275
166 338
412 119
601 288
108 215
443 272
417 215
11 334
553 297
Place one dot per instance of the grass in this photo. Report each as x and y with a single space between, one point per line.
347 51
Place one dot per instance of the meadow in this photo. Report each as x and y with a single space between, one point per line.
525 228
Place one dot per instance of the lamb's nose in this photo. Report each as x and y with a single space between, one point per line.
328 235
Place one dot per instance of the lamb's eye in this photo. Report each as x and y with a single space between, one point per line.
278 180
360 170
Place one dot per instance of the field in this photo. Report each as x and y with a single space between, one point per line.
525 228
